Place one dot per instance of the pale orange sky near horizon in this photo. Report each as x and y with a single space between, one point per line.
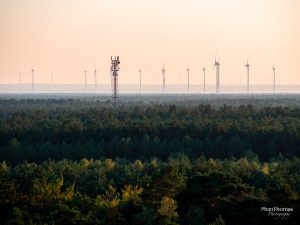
68 36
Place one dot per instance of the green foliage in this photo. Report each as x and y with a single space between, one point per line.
178 191
218 221
166 213
17 218
131 195
49 192
194 216
108 201
166 182
72 162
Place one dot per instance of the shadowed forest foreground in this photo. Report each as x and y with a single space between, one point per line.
77 162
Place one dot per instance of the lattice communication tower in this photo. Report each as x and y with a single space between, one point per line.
114 77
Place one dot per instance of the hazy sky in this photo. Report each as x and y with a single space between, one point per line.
68 36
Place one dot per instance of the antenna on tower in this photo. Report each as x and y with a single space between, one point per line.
95 77
163 70
274 79
188 80
85 72
114 69
140 73
204 80
248 75
32 80
217 65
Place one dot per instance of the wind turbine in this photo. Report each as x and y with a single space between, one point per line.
163 70
188 79
274 73
20 78
95 77
140 73
32 79
248 72
204 80
217 65
85 72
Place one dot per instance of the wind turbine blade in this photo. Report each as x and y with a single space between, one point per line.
215 63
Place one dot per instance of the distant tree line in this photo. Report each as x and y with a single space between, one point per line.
38 130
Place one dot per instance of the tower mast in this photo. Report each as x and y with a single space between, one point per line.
32 80
114 69
204 80
95 77
163 70
274 80
188 79
140 73
217 65
248 76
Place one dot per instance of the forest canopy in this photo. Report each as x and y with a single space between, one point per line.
68 161
176 191
38 130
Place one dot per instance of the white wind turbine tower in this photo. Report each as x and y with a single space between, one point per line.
274 79
217 65
140 73
85 72
32 82
248 76
163 70
95 77
188 80
204 80
20 78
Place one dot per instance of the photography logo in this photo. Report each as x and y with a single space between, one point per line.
277 213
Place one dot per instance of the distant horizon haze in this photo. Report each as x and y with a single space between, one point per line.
146 89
